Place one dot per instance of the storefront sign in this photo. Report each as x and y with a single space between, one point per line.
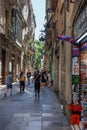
80 26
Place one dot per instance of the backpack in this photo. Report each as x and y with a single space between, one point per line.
23 78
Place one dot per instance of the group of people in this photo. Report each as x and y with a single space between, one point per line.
9 81
22 79
40 79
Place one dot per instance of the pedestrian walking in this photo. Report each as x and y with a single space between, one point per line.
22 81
37 83
28 76
49 79
43 81
8 84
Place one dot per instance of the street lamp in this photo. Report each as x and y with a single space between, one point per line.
42 37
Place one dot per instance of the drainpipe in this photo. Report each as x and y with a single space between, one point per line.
64 52
64 17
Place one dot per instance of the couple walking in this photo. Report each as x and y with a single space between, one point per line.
39 81
9 80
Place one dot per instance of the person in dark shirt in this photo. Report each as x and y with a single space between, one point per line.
43 81
37 83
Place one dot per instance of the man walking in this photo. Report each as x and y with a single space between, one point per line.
8 84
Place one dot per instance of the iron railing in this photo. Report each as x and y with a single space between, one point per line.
12 2
7 32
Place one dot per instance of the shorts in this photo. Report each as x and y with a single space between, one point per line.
22 83
9 86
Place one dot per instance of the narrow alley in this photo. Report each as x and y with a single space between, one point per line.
24 111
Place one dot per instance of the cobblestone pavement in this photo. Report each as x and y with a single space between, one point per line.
24 111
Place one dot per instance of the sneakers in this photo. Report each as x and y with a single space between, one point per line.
11 94
38 95
35 94
4 94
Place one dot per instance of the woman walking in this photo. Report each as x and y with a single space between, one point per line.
43 81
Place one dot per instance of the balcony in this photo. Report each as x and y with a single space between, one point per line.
12 2
10 34
54 4
7 32
22 2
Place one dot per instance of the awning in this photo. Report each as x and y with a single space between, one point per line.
68 39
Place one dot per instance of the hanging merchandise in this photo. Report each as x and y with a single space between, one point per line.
75 119
75 106
83 69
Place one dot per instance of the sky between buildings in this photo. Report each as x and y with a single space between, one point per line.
39 11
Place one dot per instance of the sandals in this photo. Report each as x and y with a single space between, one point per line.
11 94
6 95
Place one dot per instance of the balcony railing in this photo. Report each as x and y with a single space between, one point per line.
2 29
12 2
7 32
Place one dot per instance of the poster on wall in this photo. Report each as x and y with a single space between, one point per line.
75 94
75 65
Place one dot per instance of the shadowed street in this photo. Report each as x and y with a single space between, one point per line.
24 111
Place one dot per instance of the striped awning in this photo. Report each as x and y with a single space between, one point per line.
68 39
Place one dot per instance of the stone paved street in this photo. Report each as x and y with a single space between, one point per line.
24 111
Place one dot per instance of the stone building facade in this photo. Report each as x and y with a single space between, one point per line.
29 36
12 46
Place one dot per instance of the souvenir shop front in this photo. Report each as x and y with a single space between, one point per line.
78 106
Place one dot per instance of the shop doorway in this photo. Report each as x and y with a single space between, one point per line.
3 65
